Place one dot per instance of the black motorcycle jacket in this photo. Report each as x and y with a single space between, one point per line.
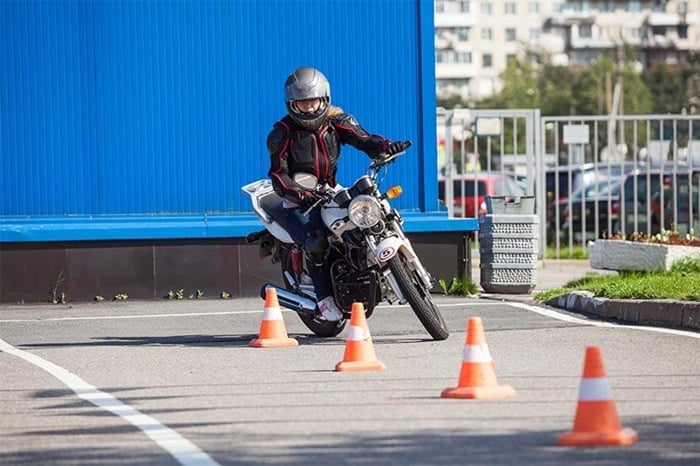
297 150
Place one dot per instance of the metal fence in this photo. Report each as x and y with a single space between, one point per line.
603 176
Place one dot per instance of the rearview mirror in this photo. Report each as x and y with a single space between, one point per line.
306 180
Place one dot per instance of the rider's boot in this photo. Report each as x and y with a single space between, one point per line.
329 310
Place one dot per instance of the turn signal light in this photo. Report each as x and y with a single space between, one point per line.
393 192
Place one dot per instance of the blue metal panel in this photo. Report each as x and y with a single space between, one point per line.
113 108
47 121
138 227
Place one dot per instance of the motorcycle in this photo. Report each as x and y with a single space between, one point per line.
371 259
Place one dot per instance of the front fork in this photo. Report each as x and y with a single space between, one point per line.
387 248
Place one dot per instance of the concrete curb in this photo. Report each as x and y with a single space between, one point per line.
655 312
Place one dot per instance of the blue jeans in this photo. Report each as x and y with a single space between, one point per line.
309 233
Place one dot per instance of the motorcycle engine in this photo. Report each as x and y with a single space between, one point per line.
351 286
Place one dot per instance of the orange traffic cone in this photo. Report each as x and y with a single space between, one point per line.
273 333
596 421
477 379
359 351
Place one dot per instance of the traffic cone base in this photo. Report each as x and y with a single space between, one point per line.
359 352
477 378
623 437
473 393
596 422
349 366
273 342
273 332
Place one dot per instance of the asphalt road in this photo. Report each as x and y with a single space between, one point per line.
175 382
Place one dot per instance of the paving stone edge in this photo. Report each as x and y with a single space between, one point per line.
653 312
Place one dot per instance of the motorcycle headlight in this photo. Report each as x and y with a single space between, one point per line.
364 211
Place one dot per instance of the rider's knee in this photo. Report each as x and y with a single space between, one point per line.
316 246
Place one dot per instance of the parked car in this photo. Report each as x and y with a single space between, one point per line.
652 200
589 213
469 191
563 181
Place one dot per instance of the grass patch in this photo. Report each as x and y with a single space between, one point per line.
576 252
681 283
461 286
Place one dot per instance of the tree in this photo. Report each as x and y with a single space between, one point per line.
667 88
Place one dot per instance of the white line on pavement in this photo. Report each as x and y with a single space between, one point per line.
184 451
189 314
142 316
595 323
545 312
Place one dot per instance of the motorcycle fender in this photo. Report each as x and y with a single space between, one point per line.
388 248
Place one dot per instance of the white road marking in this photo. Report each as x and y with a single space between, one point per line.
142 316
542 311
184 451
595 323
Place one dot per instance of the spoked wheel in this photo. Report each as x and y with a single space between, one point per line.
419 298
322 328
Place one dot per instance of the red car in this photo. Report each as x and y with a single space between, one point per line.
469 191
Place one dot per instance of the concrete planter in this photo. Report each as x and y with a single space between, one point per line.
629 255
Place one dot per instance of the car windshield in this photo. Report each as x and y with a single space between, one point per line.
600 188
505 186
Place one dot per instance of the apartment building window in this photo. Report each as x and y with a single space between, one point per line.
606 6
682 31
463 57
682 8
633 33
585 31
446 87
451 56
534 33
462 6
486 34
462 34
634 6
485 8
510 8
510 34
487 60
533 8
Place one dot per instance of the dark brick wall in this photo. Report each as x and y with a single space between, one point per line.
29 272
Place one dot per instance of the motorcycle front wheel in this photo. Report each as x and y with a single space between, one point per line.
419 298
321 328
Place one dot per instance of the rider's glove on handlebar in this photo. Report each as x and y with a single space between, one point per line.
392 148
307 201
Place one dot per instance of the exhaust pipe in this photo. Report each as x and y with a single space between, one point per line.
290 300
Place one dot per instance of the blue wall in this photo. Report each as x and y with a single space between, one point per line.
155 113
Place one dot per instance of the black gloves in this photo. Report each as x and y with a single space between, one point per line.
307 201
392 148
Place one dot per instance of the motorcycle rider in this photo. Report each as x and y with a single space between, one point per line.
308 140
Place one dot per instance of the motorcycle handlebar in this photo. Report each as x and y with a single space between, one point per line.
385 159
325 195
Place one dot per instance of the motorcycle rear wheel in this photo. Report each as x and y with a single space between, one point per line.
321 328
419 298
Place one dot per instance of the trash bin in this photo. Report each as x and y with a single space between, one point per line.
509 245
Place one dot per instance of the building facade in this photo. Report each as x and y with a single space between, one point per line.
474 39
